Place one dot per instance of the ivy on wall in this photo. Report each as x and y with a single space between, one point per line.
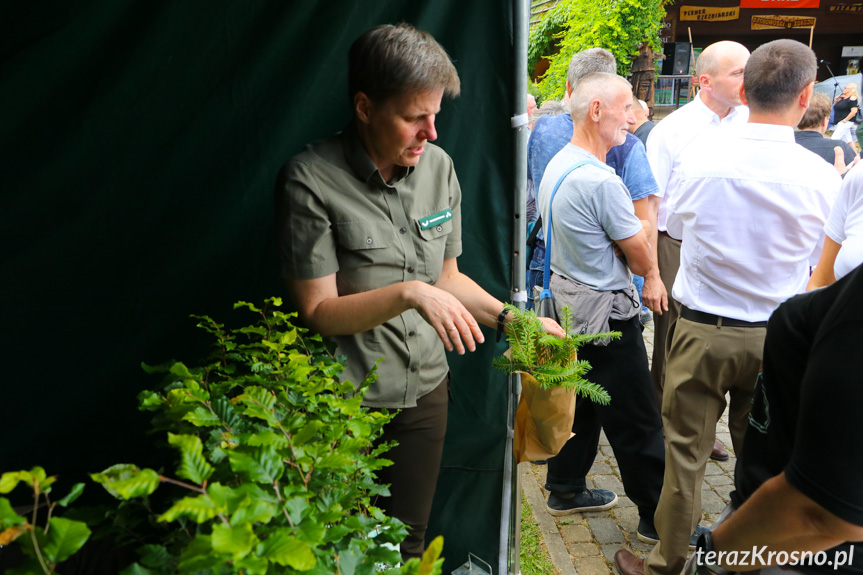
576 25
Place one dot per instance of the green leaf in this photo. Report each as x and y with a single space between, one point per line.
199 509
179 369
252 565
36 476
334 460
202 417
64 538
307 432
74 494
236 541
8 517
251 511
156 557
287 551
198 556
246 304
193 465
261 464
150 401
125 481
138 569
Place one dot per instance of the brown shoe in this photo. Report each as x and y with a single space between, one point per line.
628 564
719 452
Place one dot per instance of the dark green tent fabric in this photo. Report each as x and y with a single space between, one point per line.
139 145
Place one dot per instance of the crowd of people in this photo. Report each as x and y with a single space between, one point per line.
737 218
717 207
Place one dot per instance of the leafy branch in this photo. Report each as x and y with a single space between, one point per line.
551 360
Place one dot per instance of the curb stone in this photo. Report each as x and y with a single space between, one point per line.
550 533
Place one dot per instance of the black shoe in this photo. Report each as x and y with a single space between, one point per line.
646 532
540 462
587 500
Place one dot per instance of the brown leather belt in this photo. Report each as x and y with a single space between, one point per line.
717 320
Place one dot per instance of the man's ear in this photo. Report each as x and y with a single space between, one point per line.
704 81
362 107
595 106
568 89
806 95
743 99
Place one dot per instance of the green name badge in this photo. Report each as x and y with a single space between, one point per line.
435 219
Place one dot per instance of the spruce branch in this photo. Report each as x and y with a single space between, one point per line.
552 361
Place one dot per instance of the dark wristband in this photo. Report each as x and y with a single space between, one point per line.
501 318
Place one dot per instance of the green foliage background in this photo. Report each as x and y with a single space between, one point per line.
576 25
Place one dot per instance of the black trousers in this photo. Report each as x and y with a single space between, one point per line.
420 433
631 421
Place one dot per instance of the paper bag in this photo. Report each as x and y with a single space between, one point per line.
543 420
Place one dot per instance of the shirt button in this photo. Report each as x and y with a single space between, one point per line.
369 241
413 368
403 230
439 228
410 270
411 333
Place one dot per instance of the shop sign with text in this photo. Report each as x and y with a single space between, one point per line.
781 22
709 13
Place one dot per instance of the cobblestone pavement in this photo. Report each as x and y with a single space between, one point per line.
591 539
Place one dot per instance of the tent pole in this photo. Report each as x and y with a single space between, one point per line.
510 525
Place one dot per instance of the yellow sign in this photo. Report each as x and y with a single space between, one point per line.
709 13
783 22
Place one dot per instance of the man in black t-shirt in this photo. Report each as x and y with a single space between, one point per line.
798 485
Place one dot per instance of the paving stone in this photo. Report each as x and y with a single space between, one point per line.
575 533
609 482
608 551
592 566
574 519
600 468
728 466
605 530
715 480
712 503
627 518
724 492
713 469
623 501
583 549
639 547
606 451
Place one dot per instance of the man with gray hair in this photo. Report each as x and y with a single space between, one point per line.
549 135
750 208
593 217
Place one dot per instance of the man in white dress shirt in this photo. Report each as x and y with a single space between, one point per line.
750 207
717 106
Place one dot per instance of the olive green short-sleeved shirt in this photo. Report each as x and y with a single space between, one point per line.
336 215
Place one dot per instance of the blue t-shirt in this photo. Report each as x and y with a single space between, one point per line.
550 134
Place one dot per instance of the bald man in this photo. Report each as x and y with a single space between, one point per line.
716 107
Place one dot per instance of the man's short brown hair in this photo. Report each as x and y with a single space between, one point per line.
776 73
389 60
819 108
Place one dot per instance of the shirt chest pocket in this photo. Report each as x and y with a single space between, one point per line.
432 246
369 256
